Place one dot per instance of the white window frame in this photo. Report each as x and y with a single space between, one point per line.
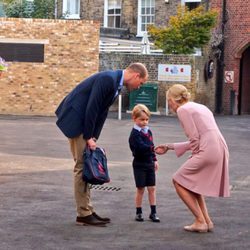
65 10
190 1
139 24
106 15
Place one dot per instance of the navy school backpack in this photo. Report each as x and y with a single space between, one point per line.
95 169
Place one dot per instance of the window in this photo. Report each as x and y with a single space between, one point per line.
112 16
191 4
146 15
71 9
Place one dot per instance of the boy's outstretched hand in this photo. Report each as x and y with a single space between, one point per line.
161 149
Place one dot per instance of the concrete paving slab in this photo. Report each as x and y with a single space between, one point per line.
37 209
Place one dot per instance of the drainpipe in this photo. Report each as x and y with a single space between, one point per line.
221 64
55 13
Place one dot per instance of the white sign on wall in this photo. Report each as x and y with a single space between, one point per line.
229 76
174 73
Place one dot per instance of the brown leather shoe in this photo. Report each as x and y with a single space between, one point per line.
89 220
104 219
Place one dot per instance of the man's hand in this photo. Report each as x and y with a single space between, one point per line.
92 143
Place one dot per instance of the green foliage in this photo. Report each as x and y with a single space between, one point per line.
186 31
28 9
15 9
44 9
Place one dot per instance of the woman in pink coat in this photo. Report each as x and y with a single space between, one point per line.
205 173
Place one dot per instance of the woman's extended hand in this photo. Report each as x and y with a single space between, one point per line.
161 149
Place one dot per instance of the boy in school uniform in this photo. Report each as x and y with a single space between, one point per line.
145 163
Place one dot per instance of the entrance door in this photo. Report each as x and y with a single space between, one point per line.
244 100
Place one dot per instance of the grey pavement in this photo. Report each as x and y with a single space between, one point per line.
37 209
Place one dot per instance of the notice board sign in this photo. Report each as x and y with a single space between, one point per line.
229 76
174 73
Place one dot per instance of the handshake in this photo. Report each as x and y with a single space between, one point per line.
163 148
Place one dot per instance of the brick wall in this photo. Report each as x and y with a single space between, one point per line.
71 54
129 14
237 39
203 92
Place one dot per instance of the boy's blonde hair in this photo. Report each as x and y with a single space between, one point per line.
139 109
179 93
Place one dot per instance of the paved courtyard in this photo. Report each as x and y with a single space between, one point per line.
37 208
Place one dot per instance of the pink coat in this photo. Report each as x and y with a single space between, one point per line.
206 170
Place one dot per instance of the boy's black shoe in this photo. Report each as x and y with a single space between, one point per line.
154 218
139 217
89 220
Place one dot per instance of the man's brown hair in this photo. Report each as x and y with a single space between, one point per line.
138 68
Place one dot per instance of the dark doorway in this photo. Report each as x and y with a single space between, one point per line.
244 98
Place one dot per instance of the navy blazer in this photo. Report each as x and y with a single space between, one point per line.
142 146
85 109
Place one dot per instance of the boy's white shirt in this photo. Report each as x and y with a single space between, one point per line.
120 84
144 130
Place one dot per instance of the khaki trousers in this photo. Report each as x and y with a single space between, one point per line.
82 192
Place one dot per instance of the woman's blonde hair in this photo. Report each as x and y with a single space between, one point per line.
179 93
139 109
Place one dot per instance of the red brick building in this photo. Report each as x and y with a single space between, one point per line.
233 77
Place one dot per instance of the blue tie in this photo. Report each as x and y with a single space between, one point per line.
119 89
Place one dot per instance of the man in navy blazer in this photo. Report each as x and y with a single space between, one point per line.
81 116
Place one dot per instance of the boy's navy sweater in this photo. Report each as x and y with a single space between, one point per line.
142 146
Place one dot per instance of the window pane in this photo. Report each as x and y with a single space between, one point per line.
117 22
112 11
73 6
113 4
147 13
76 7
192 6
110 21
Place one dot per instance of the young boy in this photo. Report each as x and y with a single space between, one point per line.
145 163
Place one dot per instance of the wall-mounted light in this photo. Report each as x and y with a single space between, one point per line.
166 1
